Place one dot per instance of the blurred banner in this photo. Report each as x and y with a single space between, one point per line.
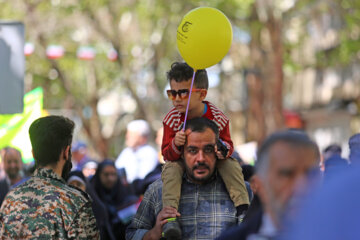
12 67
14 128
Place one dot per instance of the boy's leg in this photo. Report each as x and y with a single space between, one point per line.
171 176
232 175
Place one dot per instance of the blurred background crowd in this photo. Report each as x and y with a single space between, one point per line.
116 186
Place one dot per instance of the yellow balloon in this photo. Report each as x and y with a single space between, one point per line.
204 37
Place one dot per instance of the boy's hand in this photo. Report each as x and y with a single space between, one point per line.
219 155
180 138
221 151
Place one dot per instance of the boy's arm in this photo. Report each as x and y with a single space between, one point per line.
225 137
168 148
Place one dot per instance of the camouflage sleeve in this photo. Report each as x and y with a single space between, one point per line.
1 223
84 224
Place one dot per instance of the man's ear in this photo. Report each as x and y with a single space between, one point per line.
255 183
66 152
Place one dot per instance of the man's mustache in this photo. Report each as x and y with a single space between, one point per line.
201 165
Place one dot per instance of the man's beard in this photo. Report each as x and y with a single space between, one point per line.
13 175
197 179
67 167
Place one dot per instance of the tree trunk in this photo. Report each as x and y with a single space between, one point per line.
274 27
256 128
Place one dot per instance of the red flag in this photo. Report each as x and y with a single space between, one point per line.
86 53
28 48
55 51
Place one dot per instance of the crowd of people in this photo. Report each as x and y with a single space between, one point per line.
194 186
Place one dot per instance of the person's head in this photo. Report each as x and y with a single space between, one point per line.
137 133
354 146
107 174
331 150
284 161
79 151
12 162
51 139
77 179
199 150
248 171
179 77
89 169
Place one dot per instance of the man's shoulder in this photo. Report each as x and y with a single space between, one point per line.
124 154
78 194
47 203
148 153
153 195
155 186
126 150
49 190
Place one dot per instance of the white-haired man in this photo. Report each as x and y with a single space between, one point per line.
138 158
285 169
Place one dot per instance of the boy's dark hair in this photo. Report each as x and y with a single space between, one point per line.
200 124
49 136
181 71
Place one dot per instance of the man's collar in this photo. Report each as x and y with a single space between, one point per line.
47 173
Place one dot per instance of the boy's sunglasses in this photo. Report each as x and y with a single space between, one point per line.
183 93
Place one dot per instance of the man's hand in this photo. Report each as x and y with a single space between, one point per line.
161 219
180 138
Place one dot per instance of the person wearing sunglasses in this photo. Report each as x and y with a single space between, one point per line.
180 77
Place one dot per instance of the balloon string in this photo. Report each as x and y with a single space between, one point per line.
188 103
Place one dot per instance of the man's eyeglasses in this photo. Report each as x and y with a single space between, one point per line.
183 93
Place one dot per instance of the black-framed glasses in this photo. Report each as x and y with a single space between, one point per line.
183 93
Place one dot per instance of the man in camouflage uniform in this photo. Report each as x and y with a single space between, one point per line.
44 207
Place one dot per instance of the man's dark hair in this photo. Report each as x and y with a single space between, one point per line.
49 136
200 124
291 137
181 71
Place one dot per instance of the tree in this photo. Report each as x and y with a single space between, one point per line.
143 33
